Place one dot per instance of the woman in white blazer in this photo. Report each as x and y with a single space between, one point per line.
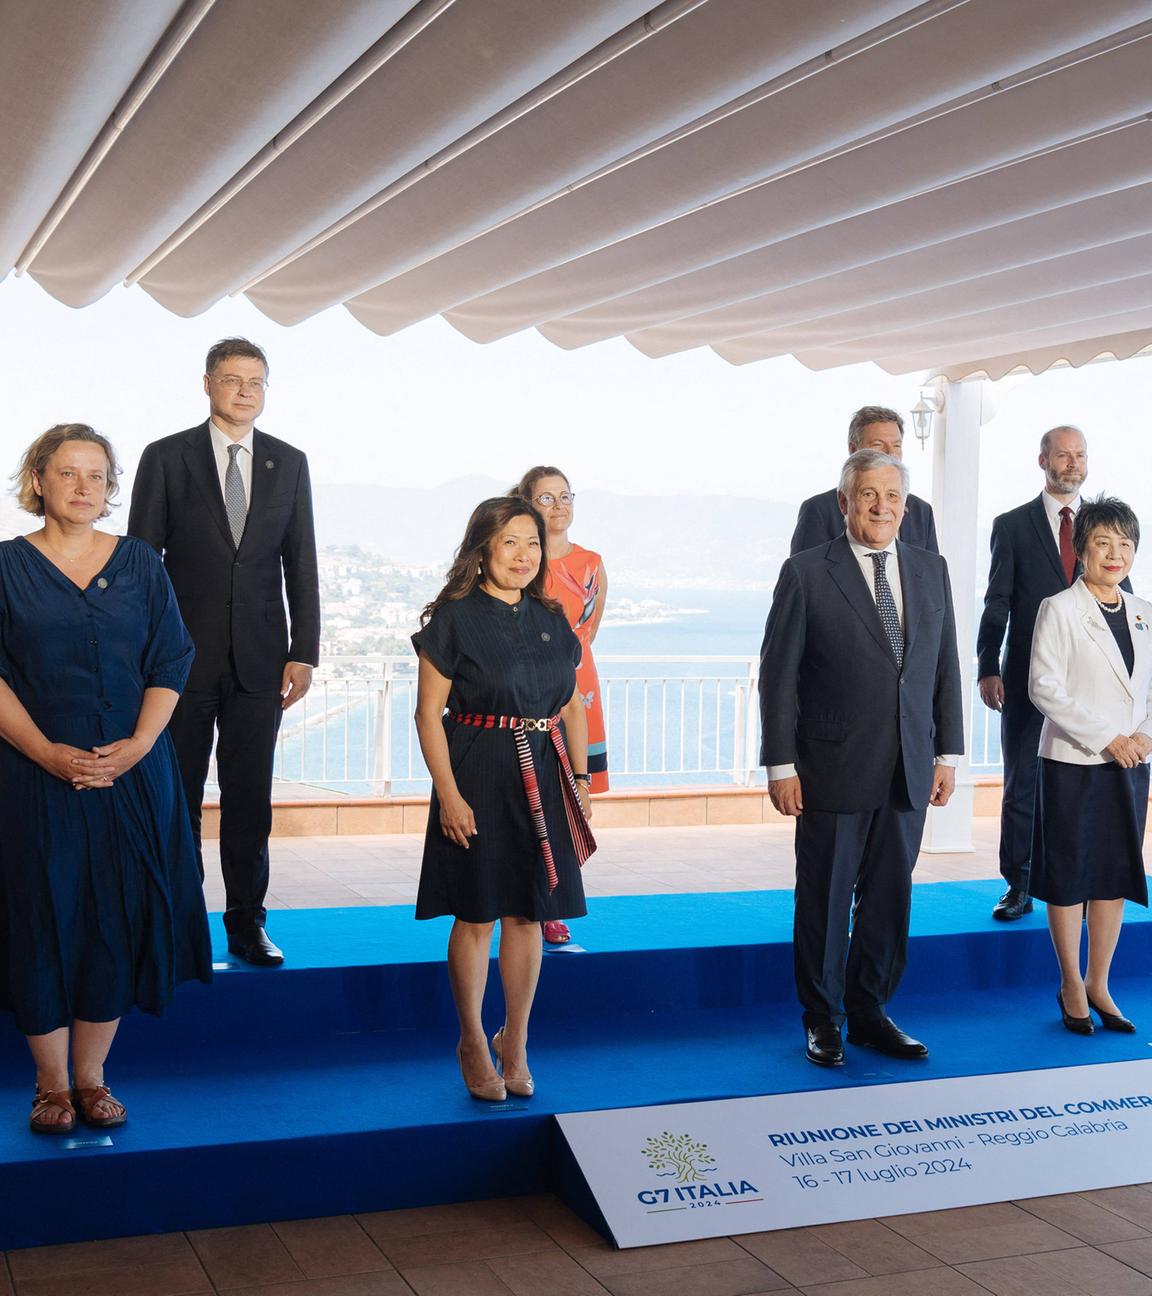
1091 677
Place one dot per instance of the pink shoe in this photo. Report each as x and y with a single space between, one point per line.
556 932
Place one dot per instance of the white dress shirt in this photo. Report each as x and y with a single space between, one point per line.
220 444
863 556
1052 507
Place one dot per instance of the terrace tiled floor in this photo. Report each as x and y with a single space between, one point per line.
1089 1244
326 872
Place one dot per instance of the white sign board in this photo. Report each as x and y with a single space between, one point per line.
672 1173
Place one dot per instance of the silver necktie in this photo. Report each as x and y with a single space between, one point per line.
235 505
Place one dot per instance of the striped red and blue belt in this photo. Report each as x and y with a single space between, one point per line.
582 840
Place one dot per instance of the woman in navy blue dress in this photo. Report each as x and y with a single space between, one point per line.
503 731
101 906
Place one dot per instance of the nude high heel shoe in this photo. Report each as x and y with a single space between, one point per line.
488 1091
522 1085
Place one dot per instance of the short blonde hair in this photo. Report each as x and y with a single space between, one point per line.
35 460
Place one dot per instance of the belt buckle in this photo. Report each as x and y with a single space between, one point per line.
533 725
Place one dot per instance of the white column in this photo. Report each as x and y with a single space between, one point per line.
955 491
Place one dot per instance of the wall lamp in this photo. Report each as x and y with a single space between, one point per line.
923 412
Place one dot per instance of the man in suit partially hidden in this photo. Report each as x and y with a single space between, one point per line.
860 701
1032 559
872 428
230 510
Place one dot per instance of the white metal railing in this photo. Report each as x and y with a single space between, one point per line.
670 720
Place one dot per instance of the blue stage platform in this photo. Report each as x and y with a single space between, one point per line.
329 1086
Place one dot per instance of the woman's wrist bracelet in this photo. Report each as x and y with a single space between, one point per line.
583 778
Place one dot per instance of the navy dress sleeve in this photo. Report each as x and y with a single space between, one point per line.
169 650
5 663
439 641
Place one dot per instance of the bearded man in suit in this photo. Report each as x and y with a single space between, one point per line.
860 702
230 510
1033 558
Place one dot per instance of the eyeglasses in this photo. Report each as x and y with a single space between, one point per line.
548 499
235 384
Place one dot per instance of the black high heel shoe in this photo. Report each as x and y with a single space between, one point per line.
1112 1021
1077 1025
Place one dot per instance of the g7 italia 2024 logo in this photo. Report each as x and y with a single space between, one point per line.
688 1161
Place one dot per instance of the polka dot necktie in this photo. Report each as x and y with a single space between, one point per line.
235 505
886 606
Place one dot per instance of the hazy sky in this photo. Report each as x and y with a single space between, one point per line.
429 405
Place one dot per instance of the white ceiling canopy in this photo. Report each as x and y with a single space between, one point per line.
959 184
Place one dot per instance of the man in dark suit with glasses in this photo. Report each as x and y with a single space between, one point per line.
230 509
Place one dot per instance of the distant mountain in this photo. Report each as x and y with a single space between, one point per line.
657 540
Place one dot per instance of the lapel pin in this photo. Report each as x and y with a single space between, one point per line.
269 464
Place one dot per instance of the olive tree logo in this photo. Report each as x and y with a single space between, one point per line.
679 1155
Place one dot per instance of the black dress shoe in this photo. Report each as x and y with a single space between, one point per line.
1112 1021
1013 904
253 946
825 1047
1077 1025
886 1037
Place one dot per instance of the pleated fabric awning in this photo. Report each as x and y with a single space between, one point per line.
963 185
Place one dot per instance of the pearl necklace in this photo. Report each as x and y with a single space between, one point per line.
1111 608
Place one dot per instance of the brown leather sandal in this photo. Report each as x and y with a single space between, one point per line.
47 1100
86 1100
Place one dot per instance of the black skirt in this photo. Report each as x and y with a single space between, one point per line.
1088 833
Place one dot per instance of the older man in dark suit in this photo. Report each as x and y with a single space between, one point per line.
230 510
872 428
860 701
1032 559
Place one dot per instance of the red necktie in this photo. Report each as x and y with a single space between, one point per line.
1067 553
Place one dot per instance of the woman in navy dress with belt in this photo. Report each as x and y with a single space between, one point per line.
1091 676
101 906
503 732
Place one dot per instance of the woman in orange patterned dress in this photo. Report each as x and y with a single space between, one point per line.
576 579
